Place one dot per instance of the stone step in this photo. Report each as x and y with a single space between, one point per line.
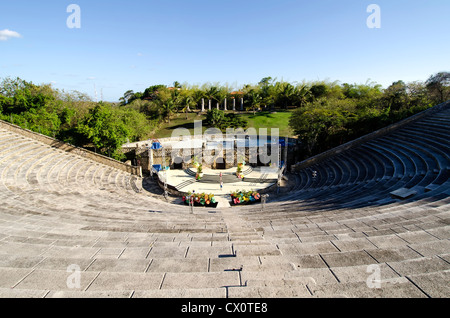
330 236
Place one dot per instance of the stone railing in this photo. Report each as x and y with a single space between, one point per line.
376 134
137 171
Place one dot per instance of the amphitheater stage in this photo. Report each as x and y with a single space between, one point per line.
255 179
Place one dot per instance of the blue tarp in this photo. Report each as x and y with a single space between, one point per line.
158 168
156 146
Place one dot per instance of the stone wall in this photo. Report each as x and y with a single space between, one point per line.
139 151
72 149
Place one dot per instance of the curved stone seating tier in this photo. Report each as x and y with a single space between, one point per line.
324 238
411 163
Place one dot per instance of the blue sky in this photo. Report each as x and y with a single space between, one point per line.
134 44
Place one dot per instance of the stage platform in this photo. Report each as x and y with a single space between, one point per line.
255 179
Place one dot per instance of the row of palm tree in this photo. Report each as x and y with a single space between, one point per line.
270 94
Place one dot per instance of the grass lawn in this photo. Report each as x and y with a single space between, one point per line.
267 120
178 121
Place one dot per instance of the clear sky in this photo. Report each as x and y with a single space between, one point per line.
133 44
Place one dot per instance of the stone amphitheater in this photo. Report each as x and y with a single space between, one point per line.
369 221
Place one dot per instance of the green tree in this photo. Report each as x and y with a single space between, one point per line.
35 107
439 86
215 118
419 97
197 95
105 130
151 93
396 96
319 90
218 119
267 91
186 101
285 94
167 103
127 97
137 124
303 94
254 100
233 120
213 94
322 124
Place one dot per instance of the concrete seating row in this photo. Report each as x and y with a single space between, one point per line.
339 232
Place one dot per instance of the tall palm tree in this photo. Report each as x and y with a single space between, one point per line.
168 107
167 103
187 101
285 93
197 95
266 89
302 95
255 100
213 94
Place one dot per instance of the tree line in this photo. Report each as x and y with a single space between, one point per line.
324 114
71 117
345 112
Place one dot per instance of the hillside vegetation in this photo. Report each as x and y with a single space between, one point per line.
321 114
